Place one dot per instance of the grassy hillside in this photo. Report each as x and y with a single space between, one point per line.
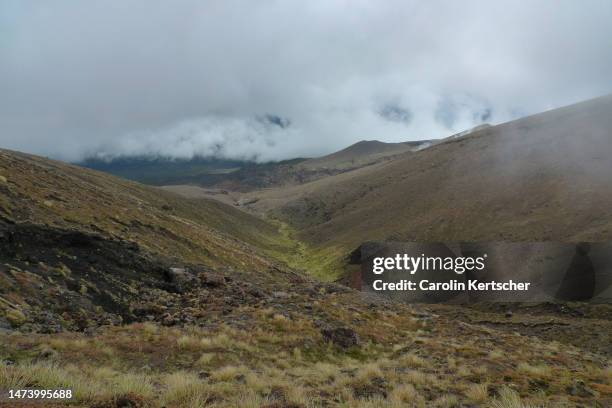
42 191
545 177
134 297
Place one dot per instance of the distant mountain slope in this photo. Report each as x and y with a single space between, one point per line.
160 171
360 154
236 175
545 177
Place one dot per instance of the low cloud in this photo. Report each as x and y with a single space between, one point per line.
273 80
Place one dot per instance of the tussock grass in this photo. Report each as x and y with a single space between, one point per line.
205 359
370 371
419 377
478 393
187 342
405 393
219 341
537 371
412 360
185 389
229 373
99 384
446 401
227 366
508 398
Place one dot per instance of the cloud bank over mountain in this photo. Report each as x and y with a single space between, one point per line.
272 80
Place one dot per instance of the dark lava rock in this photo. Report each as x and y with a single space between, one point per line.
180 278
341 336
169 320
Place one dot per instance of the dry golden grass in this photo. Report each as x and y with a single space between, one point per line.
477 393
508 398
229 373
412 360
446 401
184 389
87 385
536 371
406 394
227 366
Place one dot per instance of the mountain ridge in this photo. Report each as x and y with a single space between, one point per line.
543 177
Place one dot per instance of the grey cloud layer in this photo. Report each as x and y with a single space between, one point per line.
199 77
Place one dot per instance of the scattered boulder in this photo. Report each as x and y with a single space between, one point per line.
211 279
281 295
341 336
176 273
169 320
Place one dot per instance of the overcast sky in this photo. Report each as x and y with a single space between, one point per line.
279 79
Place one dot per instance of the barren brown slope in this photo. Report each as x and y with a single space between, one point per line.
545 177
